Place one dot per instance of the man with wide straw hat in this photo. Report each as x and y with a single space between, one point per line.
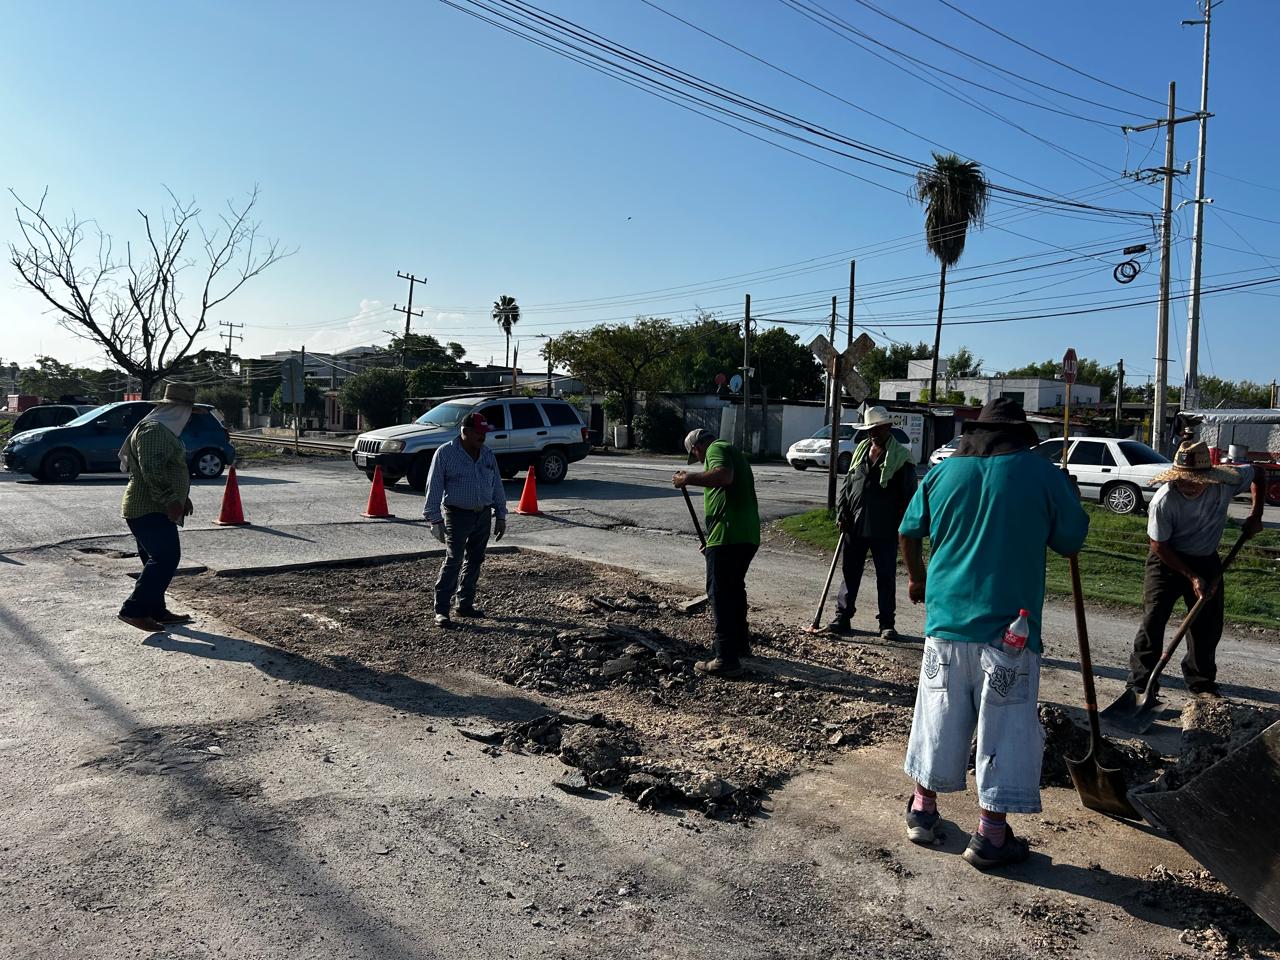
1184 524
873 498
156 503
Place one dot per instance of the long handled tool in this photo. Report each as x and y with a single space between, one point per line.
694 517
1100 788
826 588
1134 712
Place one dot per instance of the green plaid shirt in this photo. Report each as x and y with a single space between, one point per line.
158 471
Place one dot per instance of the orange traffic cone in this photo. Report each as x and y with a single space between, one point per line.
529 496
377 507
231 514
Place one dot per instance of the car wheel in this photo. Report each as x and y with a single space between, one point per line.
843 461
61 466
552 466
1122 498
418 471
801 466
208 464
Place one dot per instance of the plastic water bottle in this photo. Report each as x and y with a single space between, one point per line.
1015 635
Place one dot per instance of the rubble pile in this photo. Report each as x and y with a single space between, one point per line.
1064 738
580 660
1217 923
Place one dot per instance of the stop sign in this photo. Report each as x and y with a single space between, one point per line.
1069 365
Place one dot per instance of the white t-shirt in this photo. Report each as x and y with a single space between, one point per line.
1194 527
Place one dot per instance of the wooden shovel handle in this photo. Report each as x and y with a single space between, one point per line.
1082 635
688 502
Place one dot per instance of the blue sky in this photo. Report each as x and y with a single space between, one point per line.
406 136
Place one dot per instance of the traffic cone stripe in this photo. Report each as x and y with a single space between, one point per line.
529 496
232 513
377 507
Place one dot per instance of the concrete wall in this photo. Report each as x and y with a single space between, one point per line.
799 423
1036 394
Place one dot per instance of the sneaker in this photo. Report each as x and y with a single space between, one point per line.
719 668
889 634
467 610
147 624
922 828
442 620
984 854
169 618
840 626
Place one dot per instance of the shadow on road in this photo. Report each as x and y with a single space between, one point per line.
1168 681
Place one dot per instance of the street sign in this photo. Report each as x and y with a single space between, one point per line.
855 387
1069 365
721 379
735 382
292 388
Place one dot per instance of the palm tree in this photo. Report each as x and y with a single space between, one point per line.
506 313
954 193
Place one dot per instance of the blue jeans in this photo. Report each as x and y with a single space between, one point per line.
159 550
884 553
466 536
727 567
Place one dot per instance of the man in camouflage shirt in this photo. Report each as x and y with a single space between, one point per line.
156 503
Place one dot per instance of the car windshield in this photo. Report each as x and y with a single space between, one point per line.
846 432
1139 453
445 415
92 415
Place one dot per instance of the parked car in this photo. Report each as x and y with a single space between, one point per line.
944 451
90 444
815 451
48 415
543 432
1115 473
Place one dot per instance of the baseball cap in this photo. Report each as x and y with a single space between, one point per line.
476 423
694 438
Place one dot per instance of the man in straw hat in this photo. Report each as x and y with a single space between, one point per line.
873 498
156 503
989 511
733 537
1185 523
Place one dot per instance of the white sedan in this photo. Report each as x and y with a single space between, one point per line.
815 451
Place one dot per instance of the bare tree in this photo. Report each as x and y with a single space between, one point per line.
146 310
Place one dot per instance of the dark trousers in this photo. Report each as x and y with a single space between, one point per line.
1161 590
160 551
466 535
884 554
727 567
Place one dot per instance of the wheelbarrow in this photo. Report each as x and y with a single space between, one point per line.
1225 818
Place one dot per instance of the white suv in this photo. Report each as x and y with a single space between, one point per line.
1115 473
543 433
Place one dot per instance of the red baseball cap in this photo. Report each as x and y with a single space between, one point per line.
476 423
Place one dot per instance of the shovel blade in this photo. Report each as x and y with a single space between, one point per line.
1101 788
1124 705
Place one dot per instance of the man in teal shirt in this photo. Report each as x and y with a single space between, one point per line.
733 537
989 511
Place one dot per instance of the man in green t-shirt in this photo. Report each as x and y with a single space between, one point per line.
733 536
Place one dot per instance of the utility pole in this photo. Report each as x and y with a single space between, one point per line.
1166 237
297 401
848 340
746 375
1119 392
829 412
230 334
1191 381
409 314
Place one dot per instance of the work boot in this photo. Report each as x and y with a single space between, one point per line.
984 854
468 610
888 634
443 621
169 618
1209 691
922 828
148 624
719 668
840 626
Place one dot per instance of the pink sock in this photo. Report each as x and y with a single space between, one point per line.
993 830
921 803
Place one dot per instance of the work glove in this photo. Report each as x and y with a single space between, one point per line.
499 528
437 530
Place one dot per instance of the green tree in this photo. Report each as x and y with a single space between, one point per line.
1087 371
426 382
889 363
954 193
785 367
456 350
377 394
621 358
227 398
423 350
49 378
711 346
506 314
1215 392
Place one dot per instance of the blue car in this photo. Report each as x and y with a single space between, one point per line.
91 442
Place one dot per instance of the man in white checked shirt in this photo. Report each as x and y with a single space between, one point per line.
464 488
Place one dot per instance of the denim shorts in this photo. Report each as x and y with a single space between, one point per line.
975 687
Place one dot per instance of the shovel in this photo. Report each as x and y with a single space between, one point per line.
815 627
1100 788
1134 712
694 517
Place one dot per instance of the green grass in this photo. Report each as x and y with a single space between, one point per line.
1111 563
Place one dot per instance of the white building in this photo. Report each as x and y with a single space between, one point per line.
1033 393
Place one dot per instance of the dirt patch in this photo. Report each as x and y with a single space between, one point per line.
1065 738
1052 928
586 636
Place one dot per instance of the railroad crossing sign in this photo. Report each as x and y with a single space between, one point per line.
843 364
292 385
1069 365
